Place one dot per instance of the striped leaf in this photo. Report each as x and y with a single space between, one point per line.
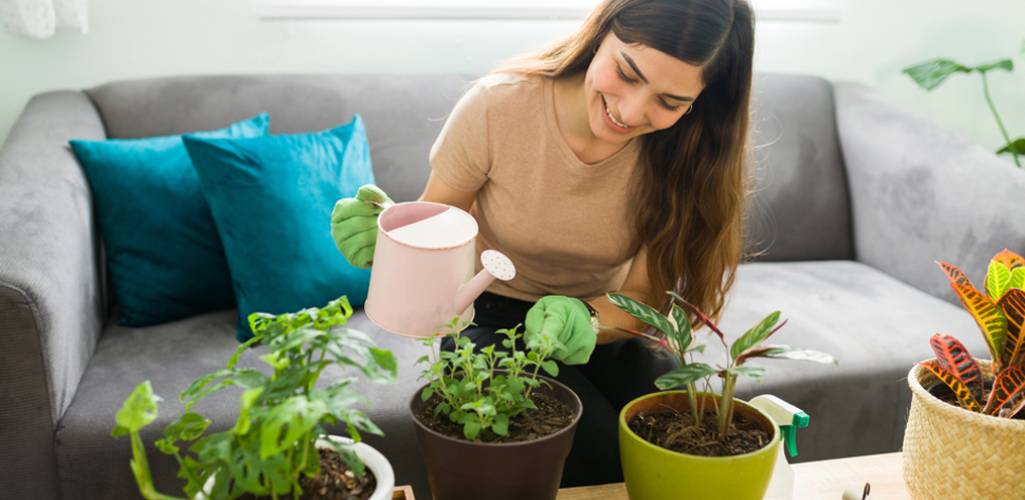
1008 391
756 335
998 279
1013 307
985 311
643 312
1009 259
684 375
1017 278
701 316
952 355
964 395
683 328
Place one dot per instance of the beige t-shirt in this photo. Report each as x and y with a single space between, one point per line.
565 224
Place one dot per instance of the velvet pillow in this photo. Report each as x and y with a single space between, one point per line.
163 251
271 198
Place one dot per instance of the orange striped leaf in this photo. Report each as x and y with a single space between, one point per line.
1009 259
985 311
952 355
964 395
1013 307
1008 392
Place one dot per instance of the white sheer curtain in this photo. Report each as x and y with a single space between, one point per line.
42 18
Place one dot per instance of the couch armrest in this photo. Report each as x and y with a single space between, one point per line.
51 288
919 194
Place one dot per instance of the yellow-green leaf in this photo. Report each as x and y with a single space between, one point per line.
1017 278
998 279
1013 307
138 410
984 310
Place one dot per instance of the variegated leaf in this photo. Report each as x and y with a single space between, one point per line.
754 336
1017 278
786 352
683 327
983 309
952 355
964 395
684 375
697 312
1013 307
1009 259
643 312
1008 390
998 279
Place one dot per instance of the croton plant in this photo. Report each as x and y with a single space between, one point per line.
1000 313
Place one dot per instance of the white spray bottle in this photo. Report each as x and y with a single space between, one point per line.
789 418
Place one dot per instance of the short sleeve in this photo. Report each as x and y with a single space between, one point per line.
460 155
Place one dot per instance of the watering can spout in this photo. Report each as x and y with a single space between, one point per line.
496 265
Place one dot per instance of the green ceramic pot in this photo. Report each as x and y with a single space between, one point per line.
655 473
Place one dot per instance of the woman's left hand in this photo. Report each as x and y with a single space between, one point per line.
568 321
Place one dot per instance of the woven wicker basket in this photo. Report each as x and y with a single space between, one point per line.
954 453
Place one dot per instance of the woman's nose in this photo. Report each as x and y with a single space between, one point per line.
631 111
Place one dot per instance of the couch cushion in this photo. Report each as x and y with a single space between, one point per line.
876 327
94 465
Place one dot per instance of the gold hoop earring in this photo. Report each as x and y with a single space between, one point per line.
689 109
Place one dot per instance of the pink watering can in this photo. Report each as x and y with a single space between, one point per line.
422 275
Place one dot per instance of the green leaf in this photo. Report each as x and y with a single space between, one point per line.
286 422
643 312
684 375
786 352
138 410
756 335
386 360
471 428
187 427
998 279
931 74
684 335
248 398
501 425
1016 146
1004 64
753 372
1017 278
551 368
427 393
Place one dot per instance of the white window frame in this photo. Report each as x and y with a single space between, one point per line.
765 10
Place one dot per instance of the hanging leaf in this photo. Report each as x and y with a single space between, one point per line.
755 336
1013 307
684 375
1004 64
931 74
752 372
998 279
952 355
1016 146
787 352
964 395
985 311
701 316
643 312
1008 391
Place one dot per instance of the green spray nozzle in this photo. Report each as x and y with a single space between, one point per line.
788 417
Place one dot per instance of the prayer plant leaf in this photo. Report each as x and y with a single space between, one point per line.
649 315
684 375
697 312
984 310
787 352
952 355
684 334
755 336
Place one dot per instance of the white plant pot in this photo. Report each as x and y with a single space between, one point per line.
373 459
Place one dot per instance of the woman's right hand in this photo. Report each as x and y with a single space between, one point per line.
354 224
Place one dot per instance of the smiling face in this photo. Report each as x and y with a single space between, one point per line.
632 90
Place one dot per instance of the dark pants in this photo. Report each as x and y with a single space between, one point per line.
617 373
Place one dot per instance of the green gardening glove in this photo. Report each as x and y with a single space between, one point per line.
566 321
354 224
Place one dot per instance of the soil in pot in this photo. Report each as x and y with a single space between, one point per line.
335 481
551 416
944 393
676 431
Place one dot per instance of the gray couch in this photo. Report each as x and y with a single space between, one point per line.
854 201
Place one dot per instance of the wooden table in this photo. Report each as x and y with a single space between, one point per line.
823 480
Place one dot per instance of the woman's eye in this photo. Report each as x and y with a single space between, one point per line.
668 106
622 76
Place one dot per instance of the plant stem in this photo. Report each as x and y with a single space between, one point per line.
693 397
1000 123
726 405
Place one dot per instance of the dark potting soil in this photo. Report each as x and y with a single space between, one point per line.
677 432
946 394
551 416
335 481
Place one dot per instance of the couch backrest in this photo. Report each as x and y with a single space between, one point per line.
800 211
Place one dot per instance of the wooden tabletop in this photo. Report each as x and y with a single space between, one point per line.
823 480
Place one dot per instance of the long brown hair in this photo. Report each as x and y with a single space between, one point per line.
690 196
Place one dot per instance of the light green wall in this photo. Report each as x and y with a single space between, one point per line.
872 42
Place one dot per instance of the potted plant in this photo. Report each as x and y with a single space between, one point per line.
489 425
699 444
279 445
966 424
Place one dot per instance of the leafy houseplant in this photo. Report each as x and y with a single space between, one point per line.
680 448
282 417
979 424
930 74
490 410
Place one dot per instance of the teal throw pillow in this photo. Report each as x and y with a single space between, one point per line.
272 198
163 251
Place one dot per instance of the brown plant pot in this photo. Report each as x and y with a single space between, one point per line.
465 470
950 452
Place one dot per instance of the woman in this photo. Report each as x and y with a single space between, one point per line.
613 161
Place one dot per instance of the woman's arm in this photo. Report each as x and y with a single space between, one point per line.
439 192
636 287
